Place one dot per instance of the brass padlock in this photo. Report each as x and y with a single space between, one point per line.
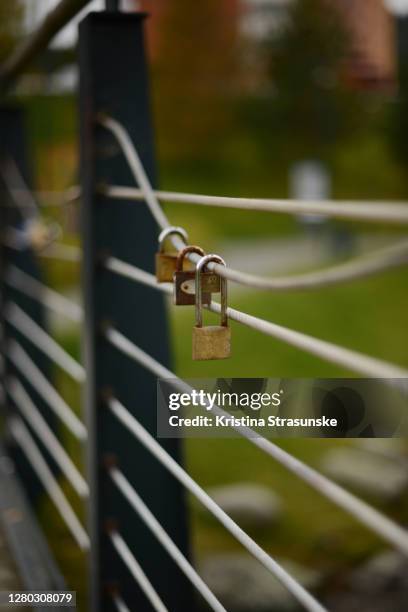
212 341
183 296
166 261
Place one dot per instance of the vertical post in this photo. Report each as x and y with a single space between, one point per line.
113 80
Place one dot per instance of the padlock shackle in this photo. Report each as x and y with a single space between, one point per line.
169 231
191 248
198 290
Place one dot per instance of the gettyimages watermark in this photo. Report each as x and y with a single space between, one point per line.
282 408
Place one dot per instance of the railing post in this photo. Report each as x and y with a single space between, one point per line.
113 80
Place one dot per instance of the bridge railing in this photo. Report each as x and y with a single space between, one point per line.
134 488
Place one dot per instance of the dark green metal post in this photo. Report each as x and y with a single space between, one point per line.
113 80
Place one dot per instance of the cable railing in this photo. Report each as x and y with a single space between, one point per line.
49 298
27 422
33 416
370 211
351 360
36 290
136 570
119 603
121 354
33 375
361 267
366 514
43 341
27 444
354 210
277 570
142 510
384 527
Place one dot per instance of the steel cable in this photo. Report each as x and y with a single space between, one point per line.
155 527
40 467
378 212
53 300
355 269
363 512
352 360
43 341
33 416
137 572
119 603
40 383
361 211
297 590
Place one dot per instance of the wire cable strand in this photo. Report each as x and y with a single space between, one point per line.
119 603
33 416
137 572
361 211
355 269
155 527
43 341
34 289
40 467
376 211
136 167
40 383
293 586
350 359
363 512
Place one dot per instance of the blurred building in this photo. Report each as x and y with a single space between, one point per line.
372 62
227 13
372 59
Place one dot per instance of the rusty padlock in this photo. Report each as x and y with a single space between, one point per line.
166 261
183 296
211 341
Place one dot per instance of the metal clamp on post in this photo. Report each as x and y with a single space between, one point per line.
166 261
211 341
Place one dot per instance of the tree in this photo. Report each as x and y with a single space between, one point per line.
11 14
312 105
193 70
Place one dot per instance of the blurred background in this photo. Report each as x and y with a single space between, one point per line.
268 98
